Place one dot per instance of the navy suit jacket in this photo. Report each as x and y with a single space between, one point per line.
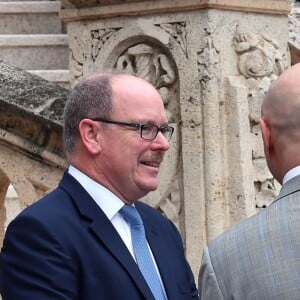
64 247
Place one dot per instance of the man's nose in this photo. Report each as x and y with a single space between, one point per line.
161 142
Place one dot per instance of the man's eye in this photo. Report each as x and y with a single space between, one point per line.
147 127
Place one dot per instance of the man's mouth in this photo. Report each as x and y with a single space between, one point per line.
154 164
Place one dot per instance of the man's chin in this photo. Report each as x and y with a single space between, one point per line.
150 186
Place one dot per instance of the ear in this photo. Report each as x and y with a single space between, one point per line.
266 136
90 136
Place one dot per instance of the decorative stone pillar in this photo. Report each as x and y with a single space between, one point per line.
212 62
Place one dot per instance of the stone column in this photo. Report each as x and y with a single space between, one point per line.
212 62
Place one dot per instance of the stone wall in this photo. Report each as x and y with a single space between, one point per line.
212 61
294 23
294 30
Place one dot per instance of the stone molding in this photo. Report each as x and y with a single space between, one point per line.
90 9
31 114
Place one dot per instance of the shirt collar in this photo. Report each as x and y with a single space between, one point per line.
105 199
291 174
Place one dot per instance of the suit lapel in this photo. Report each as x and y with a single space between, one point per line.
105 231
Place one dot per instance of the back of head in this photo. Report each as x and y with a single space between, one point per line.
280 123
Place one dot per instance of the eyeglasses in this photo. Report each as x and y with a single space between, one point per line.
147 131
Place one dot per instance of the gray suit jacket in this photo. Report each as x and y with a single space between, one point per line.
258 258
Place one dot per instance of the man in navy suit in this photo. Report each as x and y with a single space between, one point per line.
74 243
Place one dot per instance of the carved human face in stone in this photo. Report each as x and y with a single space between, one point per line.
130 164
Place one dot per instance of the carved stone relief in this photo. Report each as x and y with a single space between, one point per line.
207 59
178 31
259 56
260 62
153 65
99 37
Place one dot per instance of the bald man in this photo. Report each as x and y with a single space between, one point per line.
260 257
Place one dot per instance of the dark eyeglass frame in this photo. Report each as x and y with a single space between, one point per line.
166 130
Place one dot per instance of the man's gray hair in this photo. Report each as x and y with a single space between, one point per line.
91 97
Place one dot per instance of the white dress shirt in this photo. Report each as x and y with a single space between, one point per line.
291 174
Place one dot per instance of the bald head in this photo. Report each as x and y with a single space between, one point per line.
281 106
280 123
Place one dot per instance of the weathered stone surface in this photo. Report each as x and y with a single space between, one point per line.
90 3
31 108
212 68
294 23
212 62
32 158
294 32
91 9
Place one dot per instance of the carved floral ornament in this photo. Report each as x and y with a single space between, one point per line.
259 56
208 59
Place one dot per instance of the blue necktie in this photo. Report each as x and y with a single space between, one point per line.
141 250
